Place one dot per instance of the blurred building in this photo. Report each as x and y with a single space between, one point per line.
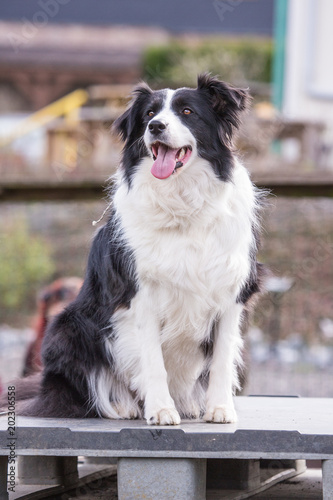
304 72
41 64
308 85
50 47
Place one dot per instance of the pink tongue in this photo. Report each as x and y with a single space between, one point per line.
165 162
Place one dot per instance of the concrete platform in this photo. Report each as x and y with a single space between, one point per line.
275 429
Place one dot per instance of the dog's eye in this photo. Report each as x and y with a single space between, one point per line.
187 111
150 113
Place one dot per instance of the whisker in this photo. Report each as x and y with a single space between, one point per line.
140 139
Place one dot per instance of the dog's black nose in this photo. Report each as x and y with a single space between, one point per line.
156 127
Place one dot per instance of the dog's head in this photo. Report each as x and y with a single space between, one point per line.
175 127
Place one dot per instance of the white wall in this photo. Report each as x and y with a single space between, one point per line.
308 85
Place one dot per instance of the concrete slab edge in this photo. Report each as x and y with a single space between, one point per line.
70 452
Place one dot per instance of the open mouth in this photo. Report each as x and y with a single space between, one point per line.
168 160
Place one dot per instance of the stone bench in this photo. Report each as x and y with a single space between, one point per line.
191 461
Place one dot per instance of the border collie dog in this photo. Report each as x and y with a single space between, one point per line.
155 331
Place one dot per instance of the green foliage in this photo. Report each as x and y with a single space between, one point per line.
25 264
239 61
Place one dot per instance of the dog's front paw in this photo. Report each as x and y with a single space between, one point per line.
164 416
223 414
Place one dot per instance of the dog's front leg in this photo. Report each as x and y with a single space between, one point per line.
223 372
158 403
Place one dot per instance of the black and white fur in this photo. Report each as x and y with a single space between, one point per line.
155 330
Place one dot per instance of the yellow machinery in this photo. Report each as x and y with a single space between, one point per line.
66 106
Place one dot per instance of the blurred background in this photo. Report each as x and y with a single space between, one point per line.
67 68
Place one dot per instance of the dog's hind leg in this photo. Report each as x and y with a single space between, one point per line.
110 397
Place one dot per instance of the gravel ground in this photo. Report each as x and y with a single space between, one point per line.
102 489
306 486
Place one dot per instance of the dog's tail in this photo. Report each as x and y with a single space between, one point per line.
20 390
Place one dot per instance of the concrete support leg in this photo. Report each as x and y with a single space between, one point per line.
232 474
161 478
300 466
3 477
327 468
47 470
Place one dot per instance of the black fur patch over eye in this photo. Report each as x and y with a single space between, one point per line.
224 105
131 126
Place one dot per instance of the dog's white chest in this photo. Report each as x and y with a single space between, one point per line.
193 261
191 249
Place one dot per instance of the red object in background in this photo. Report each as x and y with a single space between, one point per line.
51 301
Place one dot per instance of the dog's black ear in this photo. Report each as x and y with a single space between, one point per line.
124 125
227 101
